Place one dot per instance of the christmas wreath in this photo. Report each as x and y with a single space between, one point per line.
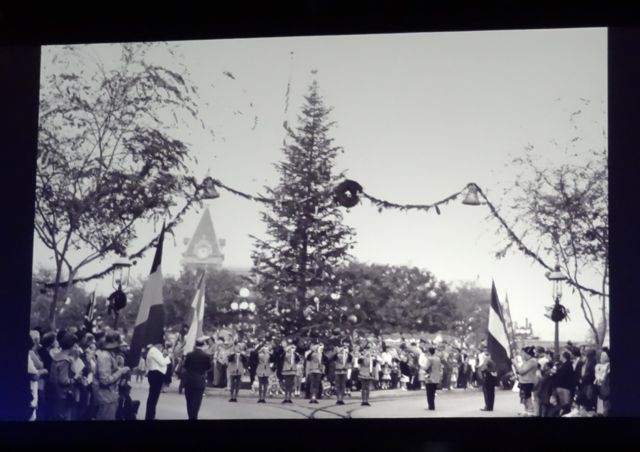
346 193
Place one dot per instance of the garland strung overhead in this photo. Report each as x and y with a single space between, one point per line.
347 194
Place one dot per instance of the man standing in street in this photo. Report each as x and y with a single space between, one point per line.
489 375
157 364
195 368
433 376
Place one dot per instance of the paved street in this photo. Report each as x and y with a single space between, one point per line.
384 404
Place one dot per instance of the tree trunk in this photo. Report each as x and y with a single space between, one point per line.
54 301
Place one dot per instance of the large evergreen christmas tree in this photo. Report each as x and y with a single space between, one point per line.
297 265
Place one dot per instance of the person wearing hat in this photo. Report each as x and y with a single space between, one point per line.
237 360
366 366
342 360
156 364
108 375
315 369
527 374
263 370
195 367
62 379
288 364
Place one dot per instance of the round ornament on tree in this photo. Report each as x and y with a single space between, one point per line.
347 193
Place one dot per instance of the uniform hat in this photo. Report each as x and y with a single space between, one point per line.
529 350
112 341
67 341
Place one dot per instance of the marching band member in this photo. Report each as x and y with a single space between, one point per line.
263 371
237 360
290 361
315 369
342 360
366 366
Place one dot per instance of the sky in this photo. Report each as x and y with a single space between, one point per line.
418 115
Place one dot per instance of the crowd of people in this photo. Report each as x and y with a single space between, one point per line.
81 375
571 386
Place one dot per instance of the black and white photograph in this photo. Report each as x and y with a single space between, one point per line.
410 225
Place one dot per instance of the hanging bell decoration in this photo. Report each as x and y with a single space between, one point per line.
209 189
471 198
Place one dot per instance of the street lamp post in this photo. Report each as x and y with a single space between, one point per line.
120 279
556 277
244 307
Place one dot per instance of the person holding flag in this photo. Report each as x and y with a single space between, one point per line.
498 350
342 360
149 331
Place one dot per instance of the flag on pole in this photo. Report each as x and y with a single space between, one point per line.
149 327
197 317
513 348
91 308
497 340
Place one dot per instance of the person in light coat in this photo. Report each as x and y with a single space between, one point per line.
433 377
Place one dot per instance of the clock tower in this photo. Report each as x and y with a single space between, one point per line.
203 249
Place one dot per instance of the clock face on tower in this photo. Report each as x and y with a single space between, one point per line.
203 250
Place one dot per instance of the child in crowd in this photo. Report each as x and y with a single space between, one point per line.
386 376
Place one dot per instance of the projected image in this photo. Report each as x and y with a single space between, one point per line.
374 226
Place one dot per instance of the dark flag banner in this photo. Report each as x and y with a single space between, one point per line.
90 313
497 339
149 328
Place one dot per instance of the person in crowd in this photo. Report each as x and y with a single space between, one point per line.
262 369
564 382
86 403
578 362
602 381
342 360
299 378
290 362
489 374
140 369
386 376
463 371
63 379
168 374
108 376
527 378
36 371
45 397
195 367
422 363
433 369
40 372
586 395
237 363
315 369
446 371
252 362
366 365
395 373
156 364
545 390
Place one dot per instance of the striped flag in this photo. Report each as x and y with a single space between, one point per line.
149 327
513 349
197 317
497 339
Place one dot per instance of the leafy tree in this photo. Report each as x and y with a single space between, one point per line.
472 313
390 299
563 207
307 242
108 158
